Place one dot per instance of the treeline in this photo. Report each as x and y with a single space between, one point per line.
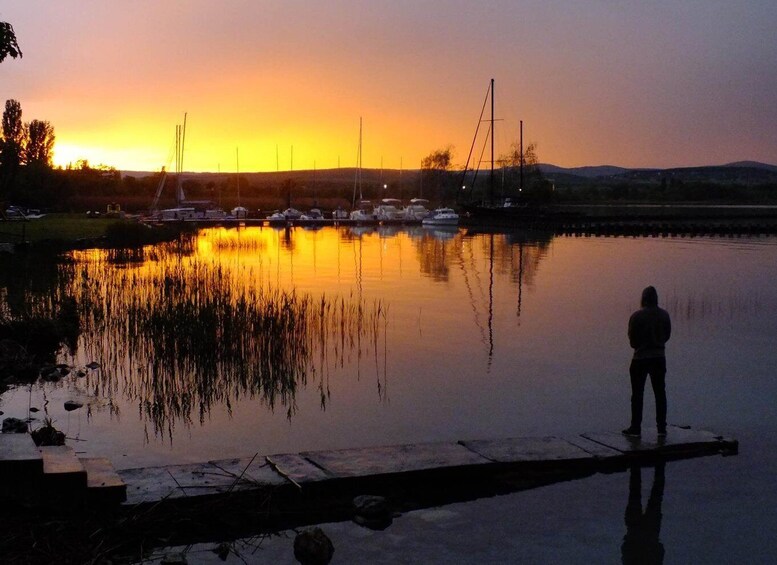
665 191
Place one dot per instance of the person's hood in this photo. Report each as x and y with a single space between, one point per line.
649 297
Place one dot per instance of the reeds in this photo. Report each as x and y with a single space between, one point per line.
180 335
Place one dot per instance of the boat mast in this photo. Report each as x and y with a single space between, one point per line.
492 141
520 186
160 186
357 181
237 169
180 138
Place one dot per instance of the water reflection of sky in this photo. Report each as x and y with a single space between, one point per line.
463 335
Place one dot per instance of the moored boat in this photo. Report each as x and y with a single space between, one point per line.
363 211
389 209
441 217
416 210
339 214
312 214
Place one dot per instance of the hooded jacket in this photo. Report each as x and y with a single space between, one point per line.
649 327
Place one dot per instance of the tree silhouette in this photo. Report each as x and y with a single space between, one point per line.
434 171
8 43
40 142
11 143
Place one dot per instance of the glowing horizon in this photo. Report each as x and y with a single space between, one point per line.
636 86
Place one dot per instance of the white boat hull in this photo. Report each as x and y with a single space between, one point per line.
441 217
440 221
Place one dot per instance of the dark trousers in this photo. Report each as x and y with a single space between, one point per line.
639 371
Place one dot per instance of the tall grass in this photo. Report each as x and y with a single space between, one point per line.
178 337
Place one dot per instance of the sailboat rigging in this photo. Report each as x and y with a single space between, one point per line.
184 209
363 211
238 212
516 210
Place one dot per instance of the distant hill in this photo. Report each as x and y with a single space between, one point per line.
742 172
753 165
722 174
589 172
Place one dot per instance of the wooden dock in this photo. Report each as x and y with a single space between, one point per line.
587 453
543 459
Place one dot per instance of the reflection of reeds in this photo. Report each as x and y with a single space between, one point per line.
182 337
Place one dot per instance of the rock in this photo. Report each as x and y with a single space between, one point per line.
71 405
48 435
52 377
47 370
33 409
313 547
173 559
14 426
222 550
93 365
372 512
81 373
371 506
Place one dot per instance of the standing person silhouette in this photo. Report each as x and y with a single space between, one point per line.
649 330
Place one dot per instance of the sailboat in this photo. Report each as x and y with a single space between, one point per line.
363 209
186 210
508 211
238 212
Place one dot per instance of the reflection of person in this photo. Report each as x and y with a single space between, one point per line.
641 544
649 330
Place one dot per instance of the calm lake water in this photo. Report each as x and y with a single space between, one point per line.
265 340
262 340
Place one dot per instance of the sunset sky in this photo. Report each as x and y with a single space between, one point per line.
630 83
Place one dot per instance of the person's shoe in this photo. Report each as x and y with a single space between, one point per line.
632 432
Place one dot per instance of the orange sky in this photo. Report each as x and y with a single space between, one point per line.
628 83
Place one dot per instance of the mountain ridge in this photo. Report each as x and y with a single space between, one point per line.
583 172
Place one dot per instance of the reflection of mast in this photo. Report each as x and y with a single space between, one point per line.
491 303
360 312
468 286
520 278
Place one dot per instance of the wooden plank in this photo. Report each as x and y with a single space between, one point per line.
677 440
595 449
19 457
149 484
62 470
394 459
528 450
152 484
249 472
298 469
102 481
